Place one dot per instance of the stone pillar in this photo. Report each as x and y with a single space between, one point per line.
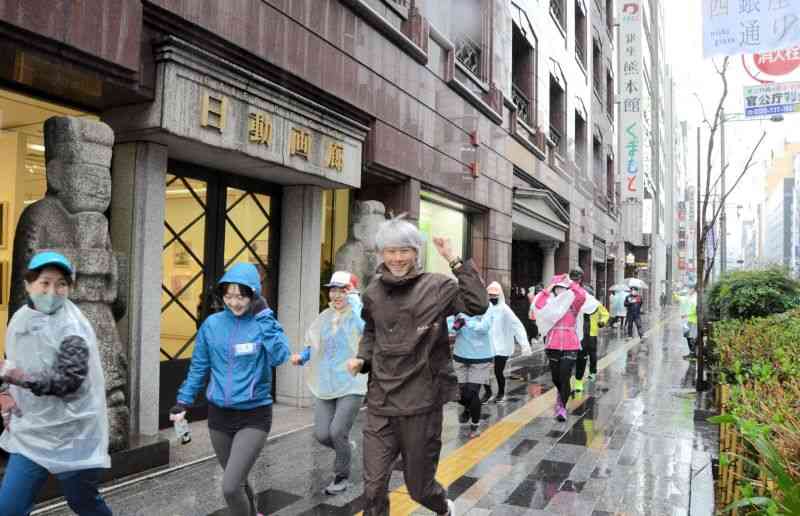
299 280
548 260
137 223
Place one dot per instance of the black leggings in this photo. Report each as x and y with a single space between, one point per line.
499 367
561 364
588 350
471 400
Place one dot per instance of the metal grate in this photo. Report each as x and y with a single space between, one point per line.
557 10
522 103
468 53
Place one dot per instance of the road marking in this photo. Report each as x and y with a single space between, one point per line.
463 459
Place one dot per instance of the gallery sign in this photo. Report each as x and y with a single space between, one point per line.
733 27
771 99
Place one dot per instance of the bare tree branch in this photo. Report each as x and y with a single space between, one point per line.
747 166
715 126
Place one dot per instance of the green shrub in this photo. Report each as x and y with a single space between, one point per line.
752 293
759 359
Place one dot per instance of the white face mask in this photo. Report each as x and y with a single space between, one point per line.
47 303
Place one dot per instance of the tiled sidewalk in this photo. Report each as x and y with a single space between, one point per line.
627 448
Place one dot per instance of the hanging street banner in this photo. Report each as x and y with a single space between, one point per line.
630 67
733 27
772 99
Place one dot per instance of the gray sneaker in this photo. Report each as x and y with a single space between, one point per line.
337 486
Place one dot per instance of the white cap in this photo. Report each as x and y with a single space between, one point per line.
340 279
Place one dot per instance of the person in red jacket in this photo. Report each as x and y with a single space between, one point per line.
557 309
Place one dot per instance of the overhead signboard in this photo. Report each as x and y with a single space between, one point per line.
630 67
733 27
771 99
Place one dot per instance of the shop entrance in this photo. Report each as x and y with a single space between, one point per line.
211 221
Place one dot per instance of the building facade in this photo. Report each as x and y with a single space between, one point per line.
778 216
253 130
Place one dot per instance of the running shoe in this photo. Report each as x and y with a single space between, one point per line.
578 385
499 400
592 377
451 508
463 418
473 431
339 485
562 414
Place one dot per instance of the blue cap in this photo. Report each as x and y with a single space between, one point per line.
52 259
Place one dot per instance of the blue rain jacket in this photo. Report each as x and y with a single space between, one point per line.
473 342
238 352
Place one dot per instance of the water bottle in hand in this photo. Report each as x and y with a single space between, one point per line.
182 430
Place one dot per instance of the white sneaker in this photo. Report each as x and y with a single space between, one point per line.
335 487
451 508
353 445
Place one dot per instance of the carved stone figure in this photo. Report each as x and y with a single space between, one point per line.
71 219
358 254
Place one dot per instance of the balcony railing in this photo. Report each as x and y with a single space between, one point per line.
557 10
522 103
555 136
468 53
580 52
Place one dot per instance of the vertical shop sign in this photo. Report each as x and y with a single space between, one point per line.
631 101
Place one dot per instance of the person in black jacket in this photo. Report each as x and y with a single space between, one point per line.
633 304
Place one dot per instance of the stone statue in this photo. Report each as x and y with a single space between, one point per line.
71 220
358 254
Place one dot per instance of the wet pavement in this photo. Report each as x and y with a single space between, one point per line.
631 445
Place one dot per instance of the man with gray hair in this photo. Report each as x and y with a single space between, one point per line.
406 350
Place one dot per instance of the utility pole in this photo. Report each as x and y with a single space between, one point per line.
723 227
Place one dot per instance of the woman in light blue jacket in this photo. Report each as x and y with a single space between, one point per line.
237 348
331 341
473 357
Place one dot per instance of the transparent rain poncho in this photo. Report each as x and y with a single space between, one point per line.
59 434
333 338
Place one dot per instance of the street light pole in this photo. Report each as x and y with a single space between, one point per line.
722 222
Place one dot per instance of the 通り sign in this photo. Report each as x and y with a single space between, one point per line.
732 27
772 99
630 65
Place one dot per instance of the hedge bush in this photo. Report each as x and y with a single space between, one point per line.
752 293
759 359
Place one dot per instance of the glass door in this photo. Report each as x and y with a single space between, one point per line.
211 221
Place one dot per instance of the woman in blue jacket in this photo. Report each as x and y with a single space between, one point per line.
473 359
238 348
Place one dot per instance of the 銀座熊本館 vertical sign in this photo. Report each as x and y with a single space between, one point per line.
630 71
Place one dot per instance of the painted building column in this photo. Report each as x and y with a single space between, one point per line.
298 281
138 184
548 260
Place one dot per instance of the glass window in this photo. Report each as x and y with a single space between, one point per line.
440 217
22 174
335 227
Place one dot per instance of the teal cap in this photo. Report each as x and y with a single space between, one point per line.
52 259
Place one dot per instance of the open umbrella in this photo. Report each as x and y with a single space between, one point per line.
618 287
636 283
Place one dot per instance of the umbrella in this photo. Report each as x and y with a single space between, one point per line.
618 287
636 283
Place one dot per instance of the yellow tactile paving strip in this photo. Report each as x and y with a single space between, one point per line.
460 461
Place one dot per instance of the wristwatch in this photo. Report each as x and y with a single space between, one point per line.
456 262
